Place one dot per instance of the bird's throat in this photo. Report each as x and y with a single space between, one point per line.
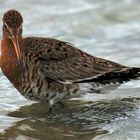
9 62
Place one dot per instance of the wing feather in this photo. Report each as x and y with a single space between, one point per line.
64 63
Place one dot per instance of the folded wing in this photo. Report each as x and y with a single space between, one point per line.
62 62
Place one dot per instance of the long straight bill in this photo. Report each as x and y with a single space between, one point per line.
18 54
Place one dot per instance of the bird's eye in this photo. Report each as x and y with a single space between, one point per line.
20 27
5 26
20 30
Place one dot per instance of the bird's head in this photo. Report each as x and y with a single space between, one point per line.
12 28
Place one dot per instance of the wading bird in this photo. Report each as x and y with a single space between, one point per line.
47 69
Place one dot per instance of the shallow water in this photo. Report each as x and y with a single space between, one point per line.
108 29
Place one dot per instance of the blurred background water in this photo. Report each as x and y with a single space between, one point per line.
105 28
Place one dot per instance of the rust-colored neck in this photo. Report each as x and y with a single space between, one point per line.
9 62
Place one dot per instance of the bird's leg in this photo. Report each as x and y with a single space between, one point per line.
51 103
55 105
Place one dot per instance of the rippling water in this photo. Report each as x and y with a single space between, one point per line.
109 29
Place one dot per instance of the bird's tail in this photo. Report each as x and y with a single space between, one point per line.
136 71
119 76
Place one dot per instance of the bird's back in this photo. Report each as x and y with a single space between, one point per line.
54 68
64 63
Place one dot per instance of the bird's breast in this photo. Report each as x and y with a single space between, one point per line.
37 87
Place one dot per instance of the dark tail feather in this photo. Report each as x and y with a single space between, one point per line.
116 76
136 70
123 76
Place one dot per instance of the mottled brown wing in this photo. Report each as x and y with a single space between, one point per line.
62 62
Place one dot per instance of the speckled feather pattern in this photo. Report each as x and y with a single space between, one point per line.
13 18
53 67
53 70
63 62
